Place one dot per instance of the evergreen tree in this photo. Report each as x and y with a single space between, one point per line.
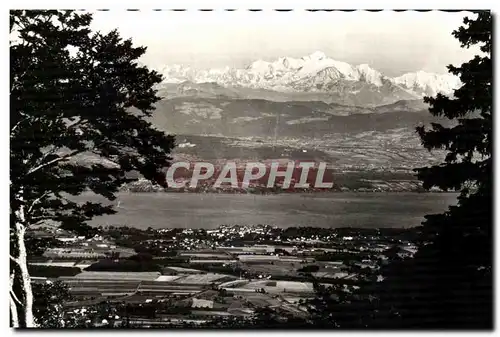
80 104
448 283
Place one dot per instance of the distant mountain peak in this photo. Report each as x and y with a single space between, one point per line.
317 55
424 83
319 73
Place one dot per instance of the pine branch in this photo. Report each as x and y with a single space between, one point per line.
65 157
37 200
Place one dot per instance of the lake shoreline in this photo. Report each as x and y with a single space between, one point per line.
286 193
210 210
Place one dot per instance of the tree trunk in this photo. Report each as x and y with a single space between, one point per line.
14 317
25 312
25 279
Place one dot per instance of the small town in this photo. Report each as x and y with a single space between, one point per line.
174 277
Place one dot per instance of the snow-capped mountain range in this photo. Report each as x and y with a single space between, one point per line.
317 73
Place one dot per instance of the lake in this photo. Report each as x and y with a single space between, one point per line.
192 210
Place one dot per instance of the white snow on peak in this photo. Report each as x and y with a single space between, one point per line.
317 55
309 73
260 66
426 83
370 75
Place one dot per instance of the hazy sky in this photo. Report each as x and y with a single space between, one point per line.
391 42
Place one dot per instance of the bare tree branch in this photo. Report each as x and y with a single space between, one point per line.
14 259
13 306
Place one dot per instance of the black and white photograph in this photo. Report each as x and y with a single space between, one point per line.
238 169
